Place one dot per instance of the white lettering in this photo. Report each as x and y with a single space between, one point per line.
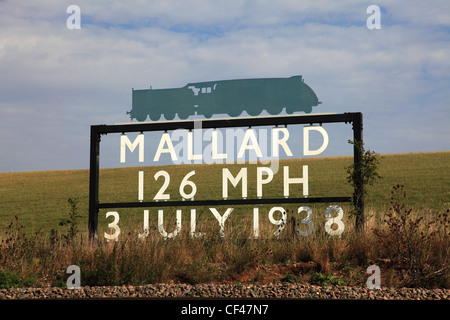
165 139
125 142
259 179
190 147
287 181
307 221
146 228
198 310
215 154
306 150
249 135
256 222
227 176
195 234
221 219
276 142
141 186
281 222
161 229
113 225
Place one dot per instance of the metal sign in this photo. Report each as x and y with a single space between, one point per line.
97 130
230 97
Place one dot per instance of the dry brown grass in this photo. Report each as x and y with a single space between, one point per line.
236 258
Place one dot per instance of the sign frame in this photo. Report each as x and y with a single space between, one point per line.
355 118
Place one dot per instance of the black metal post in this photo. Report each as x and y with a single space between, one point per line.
358 196
94 182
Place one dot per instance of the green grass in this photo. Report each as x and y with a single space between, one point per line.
39 199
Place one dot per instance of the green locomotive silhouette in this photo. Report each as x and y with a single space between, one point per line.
230 97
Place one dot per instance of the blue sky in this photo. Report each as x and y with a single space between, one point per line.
55 82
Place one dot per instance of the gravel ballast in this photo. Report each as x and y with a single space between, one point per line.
254 291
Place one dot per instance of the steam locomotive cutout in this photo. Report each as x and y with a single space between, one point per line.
230 97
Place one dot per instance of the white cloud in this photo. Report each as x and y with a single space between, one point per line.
74 78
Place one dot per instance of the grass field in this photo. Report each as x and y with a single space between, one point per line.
39 199
410 250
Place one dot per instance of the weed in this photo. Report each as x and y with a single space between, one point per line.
72 221
417 248
411 244
16 246
353 276
325 280
9 279
289 278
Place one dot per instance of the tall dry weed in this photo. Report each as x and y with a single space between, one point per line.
415 247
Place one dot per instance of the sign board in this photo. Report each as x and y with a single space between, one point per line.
188 187
230 97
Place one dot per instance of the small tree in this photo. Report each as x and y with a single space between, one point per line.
72 220
361 175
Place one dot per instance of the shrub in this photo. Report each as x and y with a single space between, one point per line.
72 221
290 278
411 244
325 280
9 279
16 247
360 176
